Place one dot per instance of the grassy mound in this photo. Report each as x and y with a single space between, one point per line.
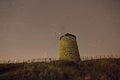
96 69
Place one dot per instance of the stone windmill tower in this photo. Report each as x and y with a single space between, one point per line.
68 48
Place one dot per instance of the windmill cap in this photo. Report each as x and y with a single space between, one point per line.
67 34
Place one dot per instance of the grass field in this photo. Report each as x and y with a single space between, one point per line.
96 69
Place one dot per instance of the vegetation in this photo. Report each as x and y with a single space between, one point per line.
96 69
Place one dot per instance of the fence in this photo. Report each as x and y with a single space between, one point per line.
83 58
99 57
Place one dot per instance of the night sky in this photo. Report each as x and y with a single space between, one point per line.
31 28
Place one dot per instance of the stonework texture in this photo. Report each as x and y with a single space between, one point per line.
68 48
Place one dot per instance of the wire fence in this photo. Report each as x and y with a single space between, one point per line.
99 57
83 58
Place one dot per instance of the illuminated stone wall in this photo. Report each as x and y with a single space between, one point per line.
68 48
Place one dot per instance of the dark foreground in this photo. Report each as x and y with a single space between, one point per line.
99 69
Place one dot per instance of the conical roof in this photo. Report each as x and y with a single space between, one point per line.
67 34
